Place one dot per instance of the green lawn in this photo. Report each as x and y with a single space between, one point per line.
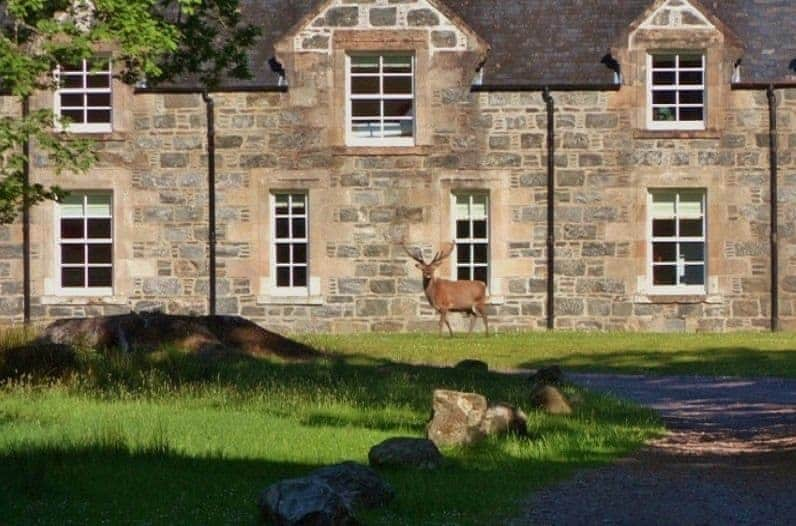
172 439
734 354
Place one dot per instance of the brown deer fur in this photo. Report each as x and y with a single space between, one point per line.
447 296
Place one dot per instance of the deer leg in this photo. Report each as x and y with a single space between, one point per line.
445 320
482 312
472 317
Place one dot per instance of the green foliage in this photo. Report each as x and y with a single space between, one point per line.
170 438
152 39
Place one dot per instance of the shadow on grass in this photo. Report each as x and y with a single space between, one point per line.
712 361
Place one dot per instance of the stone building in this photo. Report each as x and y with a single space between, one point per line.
427 120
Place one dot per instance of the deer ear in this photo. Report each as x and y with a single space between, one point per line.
419 266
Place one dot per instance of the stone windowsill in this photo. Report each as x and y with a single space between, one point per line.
372 151
496 300
290 300
680 299
83 300
114 136
676 134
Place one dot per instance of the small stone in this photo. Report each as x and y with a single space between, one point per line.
552 375
416 453
550 400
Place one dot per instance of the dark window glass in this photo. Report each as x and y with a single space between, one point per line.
663 78
694 275
99 228
72 99
664 97
98 81
664 114
479 229
283 253
365 85
480 274
98 116
462 229
299 227
398 85
663 228
299 253
396 64
71 81
663 61
283 276
365 108
398 108
690 78
664 275
98 99
691 114
282 207
480 253
401 128
282 228
73 116
100 277
463 273
691 61
690 228
71 228
691 97
72 254
72 277
664 252
463 253
299 276
100 254
693 251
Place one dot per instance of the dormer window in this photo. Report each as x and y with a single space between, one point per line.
83 97
381 100
676 91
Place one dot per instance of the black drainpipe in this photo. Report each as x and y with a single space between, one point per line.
211 196
26 219
773 154
551 210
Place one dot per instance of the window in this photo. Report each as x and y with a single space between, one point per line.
381 102
676 91
85 242
290 242
677 233
83 99
472 236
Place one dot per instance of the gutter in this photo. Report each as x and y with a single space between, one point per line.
26 219
177 90
551 210
211 199
542 87
773 153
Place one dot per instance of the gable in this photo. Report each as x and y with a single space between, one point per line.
446 31
676 14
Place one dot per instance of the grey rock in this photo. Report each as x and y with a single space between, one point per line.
304 502
358 485
416 453
457 418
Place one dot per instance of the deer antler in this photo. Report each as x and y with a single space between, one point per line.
444 253
414 255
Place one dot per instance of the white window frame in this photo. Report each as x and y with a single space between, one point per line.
276 290
676 87
86 290
83 127
351 139
454 218
679 290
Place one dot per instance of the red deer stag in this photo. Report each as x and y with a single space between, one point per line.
450 296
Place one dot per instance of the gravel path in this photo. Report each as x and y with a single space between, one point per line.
730 458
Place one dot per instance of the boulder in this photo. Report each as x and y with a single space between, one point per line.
50 360
304 501
552 375
550 400
504 419
415 453
358 485
472 365
457 418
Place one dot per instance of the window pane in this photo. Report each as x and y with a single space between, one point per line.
479 208
283 276
398 85
72 254
365 64
691 204
98 81
98 205
664 114
691 97
99 229
463 229
664 97
691 114
480 253
397 64
691 228
691 61
72 277
365 129
298 204
463 253
281 204
299 276
663 204
365 108
100 277
72 99
71 228
664 275
98 116
98 99
664 252
71 206
365 85
691 77
663 78
398 108
480 274
663 228
100 254
663 61
480 229
402 128
300 253
463 274
694 275
693 252
282 228
73 116
299 228
283 253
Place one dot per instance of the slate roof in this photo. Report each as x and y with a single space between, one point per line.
562 41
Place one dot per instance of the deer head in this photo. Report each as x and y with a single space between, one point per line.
429 269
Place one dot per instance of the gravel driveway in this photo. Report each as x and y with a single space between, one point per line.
730 458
